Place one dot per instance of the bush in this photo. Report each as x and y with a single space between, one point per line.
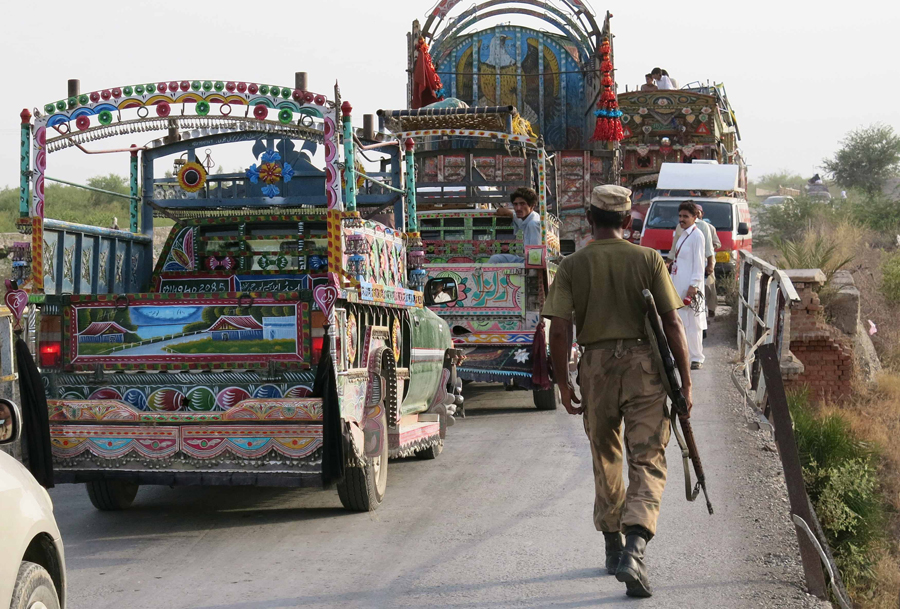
876 211
813 251
890 278
840 475
790 219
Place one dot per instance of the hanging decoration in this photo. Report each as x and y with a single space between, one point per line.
191 176
269 172
609 124
427 85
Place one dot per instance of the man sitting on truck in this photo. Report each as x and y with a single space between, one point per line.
525 220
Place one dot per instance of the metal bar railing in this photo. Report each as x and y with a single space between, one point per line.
763 295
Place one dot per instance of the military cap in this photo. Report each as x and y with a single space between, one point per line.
610 197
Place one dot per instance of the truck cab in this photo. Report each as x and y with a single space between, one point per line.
713 187
279 339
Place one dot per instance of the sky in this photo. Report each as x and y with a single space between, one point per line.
799 78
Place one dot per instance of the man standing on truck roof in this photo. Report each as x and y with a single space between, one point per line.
526 221
600 288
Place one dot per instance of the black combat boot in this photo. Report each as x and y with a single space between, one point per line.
632 571
613 551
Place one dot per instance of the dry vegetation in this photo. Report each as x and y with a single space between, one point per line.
873 413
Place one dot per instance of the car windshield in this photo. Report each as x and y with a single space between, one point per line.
664 214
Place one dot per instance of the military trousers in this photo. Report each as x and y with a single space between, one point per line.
624 385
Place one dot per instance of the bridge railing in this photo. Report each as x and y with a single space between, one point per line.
765 294
764 300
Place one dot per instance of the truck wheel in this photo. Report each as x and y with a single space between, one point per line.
111 495
34 588
431 452
362 489
546 399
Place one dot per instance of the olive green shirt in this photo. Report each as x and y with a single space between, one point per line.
601 285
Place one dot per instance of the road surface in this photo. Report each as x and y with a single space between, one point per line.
501 519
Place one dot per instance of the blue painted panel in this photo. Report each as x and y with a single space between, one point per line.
553 102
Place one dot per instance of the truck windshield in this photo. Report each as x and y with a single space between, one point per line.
664 214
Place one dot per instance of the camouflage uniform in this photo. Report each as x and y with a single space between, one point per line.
619 384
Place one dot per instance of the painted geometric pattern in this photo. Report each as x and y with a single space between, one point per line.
251 442
386 261
482 289
109 403
113 442
309 409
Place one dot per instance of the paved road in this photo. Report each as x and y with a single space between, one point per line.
501 519
157 348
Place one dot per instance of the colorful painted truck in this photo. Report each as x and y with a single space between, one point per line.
496 320
694 123
549 60
279 339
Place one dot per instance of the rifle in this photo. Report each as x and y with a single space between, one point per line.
672 384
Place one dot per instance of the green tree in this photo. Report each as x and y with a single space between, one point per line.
112 183
866 159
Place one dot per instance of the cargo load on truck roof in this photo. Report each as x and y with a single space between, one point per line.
708 176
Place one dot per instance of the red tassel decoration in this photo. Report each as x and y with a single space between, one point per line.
609 126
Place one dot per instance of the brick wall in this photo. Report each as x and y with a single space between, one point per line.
825 351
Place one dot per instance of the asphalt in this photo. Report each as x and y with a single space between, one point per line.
501 519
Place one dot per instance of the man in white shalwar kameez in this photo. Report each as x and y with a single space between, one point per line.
688 277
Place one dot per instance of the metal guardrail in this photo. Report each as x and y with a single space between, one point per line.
764 298
765 292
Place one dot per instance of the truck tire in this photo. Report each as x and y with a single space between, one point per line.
34 588
546 399
431 452
363 487
111 495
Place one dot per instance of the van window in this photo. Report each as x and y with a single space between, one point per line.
664 214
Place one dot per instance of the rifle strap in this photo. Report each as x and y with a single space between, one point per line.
690 494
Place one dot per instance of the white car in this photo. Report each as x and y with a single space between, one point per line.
32 565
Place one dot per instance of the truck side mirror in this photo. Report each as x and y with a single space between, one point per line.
637 225
10 422
441 290
743 228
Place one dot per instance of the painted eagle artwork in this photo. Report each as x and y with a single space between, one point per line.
498 55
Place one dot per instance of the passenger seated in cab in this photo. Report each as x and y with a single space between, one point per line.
525 220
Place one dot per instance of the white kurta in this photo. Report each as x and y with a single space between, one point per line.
688 270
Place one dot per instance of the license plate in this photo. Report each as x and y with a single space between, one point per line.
723 257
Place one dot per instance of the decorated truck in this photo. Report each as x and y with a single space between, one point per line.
693 124
279 339
496 319
550 59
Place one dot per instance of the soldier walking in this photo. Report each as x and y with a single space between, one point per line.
599 288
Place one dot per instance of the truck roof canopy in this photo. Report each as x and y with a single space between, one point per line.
698 176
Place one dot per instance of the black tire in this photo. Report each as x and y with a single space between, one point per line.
363 488
111 495
33 586
431 452
546 399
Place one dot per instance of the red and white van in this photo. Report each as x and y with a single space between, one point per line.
729 215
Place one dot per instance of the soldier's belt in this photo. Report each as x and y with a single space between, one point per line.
623 343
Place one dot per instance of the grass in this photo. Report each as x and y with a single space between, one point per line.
890 278
842 475
208 345
813 251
